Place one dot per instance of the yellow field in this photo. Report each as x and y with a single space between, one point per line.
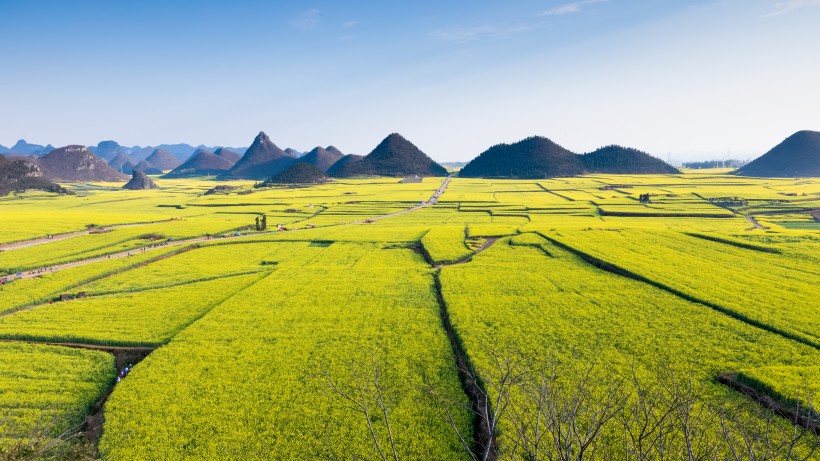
337 330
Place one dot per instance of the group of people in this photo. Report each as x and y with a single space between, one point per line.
124 373
40 271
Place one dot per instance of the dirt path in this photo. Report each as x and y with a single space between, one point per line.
58 237
124 254
754 222
791 413
487 244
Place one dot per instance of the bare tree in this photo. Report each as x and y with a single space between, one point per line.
365 393
46 439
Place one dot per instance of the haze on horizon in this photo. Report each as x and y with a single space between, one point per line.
686 80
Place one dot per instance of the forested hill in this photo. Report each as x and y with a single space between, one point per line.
797 156
538 157
394 156
624 160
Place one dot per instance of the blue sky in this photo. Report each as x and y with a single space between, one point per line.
700 79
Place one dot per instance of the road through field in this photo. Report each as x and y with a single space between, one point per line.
126 254
58 237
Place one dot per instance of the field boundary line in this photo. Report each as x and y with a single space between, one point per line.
807 419
615 269
483 423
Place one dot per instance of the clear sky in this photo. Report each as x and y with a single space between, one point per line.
698 79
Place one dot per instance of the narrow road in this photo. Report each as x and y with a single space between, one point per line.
58 237
125 254
432 201
754 222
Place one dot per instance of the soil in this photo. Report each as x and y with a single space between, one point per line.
485 445
487 244
57 237
789 412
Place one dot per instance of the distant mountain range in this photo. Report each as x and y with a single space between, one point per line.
108 150
24 148
538 157
27 165
797 156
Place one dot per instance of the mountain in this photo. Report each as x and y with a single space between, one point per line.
140 153
538 157
262 160
321 158
624 160
108 150
334 150
797 156
139 181
20 175
228 155
394 156
146 168
119 161
299 173
76 163
4 149
24 148
293 152
201 163
532 158
163 160
345 163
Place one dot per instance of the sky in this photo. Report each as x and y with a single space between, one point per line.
704 79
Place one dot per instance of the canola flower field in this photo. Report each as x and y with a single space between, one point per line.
340 332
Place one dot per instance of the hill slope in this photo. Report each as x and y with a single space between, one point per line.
119 161
624 160
321 158
20 175
201 163
262 160
394 156
145 167
163 160
798 155
76 163
299 173
342 164
531 158
538 157
228 155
